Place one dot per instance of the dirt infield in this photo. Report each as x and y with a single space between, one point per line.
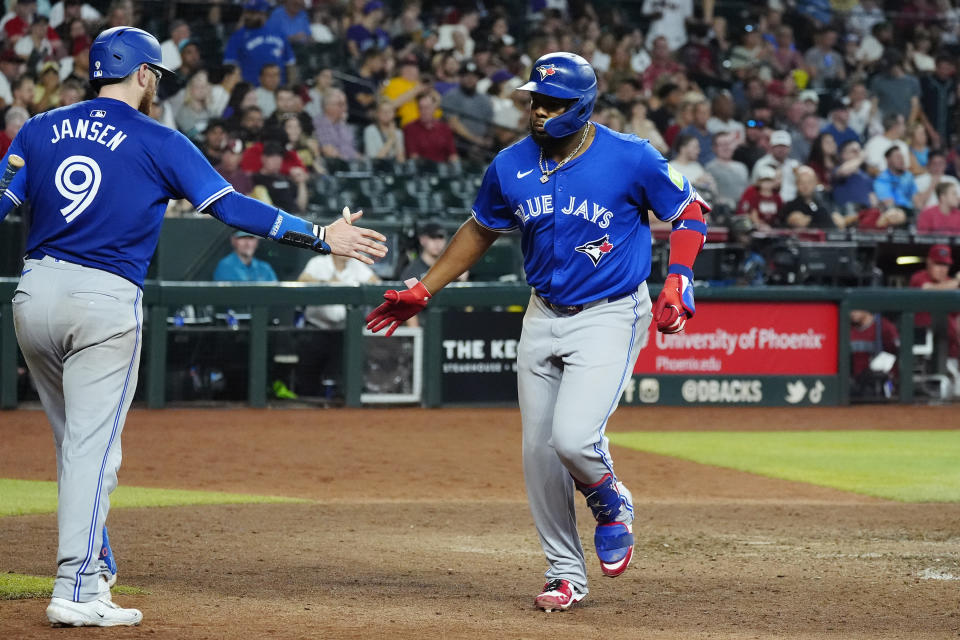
419 529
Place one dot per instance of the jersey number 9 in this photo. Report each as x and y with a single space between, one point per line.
77 180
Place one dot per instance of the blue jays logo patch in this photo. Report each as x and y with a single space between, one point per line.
546 70
596 249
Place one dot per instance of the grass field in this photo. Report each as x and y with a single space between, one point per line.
21 497
908 466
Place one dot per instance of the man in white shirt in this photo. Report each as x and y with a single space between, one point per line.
170 48
779 159
669 20
927 182
334 269
876 147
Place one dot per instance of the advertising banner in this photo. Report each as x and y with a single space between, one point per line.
479 356
747 338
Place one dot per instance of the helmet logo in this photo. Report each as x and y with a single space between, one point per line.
546 70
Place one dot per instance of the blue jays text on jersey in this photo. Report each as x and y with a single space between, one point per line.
585 232
99 175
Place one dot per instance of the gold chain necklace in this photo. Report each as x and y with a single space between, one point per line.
549 172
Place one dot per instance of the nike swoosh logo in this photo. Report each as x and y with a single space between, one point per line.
26 271
523 174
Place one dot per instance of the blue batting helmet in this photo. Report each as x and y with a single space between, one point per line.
565 75
117 52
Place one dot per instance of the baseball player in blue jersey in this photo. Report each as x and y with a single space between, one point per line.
579 194
99 175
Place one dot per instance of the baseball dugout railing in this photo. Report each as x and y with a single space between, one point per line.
161 299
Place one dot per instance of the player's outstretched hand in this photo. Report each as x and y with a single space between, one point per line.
399 307
355 242
674 305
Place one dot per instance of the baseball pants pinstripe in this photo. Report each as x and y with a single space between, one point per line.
79 330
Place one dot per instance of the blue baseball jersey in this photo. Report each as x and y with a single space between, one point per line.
99 175
250 49
585 232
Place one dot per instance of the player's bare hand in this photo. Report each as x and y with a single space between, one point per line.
348 240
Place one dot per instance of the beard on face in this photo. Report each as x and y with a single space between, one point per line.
254 21
147 100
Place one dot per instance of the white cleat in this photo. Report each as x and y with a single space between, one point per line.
98 613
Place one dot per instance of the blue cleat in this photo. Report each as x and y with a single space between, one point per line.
108 565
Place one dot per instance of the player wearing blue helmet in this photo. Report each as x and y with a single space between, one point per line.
579 195
99 175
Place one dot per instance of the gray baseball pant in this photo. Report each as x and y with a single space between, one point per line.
571 370
79 329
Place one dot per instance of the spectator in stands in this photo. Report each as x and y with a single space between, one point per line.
722 119
863 111
730 177
662 64
943 217
446 73
785 56
13 120
254 45
852 186
367 33
229 77
241 265
642 127
214 140
685 161
196 111
457 37
670 99
287 192
927 182
267 89
669 21
919 149
698 129
874 45
877 146
63 13
48 87
404 90
25 93
864 16
242 95
823 158
810 209
870 335
383 138
432 239
756 144
71 92
469 113
838 127
333 269
301 143
250 125
897 91
751 54
229 167
290 19
40 43
322 82
824 63
429 137
18 26
289 105
361 90
936 277
761 201
335 136
895 186
11 67
938 98
785 166
170 48
802 141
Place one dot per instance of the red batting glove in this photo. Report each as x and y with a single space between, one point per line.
399 307
674 305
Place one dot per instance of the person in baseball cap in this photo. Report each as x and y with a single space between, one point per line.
940 254
780 137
